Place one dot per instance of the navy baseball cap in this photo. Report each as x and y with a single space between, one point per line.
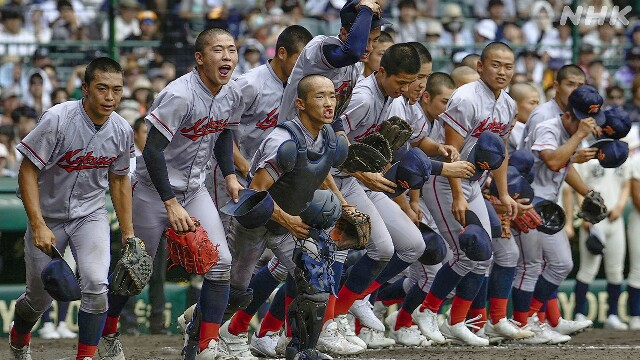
59 280
486 154
348 15
594 242
517 185
474 240
611 153
411 172
253 209
617 123
586 102
435 248
522 160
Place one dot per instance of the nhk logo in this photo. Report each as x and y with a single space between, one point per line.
591 17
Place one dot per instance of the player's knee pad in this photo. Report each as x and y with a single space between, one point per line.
32 310
238 300
94 303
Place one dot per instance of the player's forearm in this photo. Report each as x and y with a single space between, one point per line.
120 190
355 44
330 183
456 187
30 193
239 161
500 177
153 156
575 181
428 146
558 158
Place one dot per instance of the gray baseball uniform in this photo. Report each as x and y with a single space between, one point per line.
546 111
516 136
472 109
536 247
191 118
74 159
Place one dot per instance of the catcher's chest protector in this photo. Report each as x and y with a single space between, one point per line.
294 190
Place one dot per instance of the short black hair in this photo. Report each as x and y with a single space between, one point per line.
494 46
470 60
203 38
401 58
293 38
385 37
138 123
55 91
103 64
407 3
423 52
35 76
304 85
23 111
612 88
569 70
437 81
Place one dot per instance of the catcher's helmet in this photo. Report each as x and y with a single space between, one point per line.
435 250
474 240
553 216
59 280
323 210
253 209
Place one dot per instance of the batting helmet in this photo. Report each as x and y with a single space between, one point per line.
253 209
435 250
59 280
323 210
553 216
474 240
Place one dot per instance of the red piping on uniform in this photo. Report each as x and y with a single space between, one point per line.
348 121
426 277
215 188
163 124
273 167
33 152
524 262
445 222
275 265
454 120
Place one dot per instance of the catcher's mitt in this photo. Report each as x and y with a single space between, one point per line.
593 208
527 221
352 230
397 131
133 271
192 249
370 155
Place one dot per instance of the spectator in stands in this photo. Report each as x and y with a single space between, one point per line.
408 26
131 74
24 120
148 32
558 42
13 31
168 70
626 74
495 8
142 93
633 34
615 97
432 36
250 55
38 24
481 9
35 96
9 101
125 22
529 63
602 38
58 96
484 31
586 55
598 76
455 33
633 105
12 157
513 34
52 75
158 81
540 24
67 26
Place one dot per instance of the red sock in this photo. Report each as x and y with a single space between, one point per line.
19 340
542 316
358 327
328 313
535 306
110 326
373 287
521 316
432 303
483 317
287 301
346 298
269 323
208 331
86 351
391 302
404 319
553 312
240 322
497 309
459 309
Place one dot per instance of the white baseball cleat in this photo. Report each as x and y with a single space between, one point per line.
427 322
506 328
544 331
110 348
235 345
48 331
379 310
266 345
214 351
345 330
185 318
580 317
64 331
375 339
460 333
613 322
23 353
407 336
281 346
634 323
570 327
332 342
363 311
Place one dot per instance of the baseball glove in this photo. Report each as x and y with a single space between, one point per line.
352 230
505 221
593 208
527 221
192 249
133 271
370 155
397 131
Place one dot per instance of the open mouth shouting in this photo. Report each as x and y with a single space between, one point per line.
224 71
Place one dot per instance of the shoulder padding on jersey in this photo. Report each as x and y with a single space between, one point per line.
342 150
287 155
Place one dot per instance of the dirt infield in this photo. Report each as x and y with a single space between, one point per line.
592 344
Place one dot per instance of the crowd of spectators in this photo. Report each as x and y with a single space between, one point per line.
45 45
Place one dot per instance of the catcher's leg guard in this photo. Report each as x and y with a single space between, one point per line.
192 336
238 300
314 281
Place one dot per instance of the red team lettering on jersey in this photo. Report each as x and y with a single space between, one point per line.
494 126
83 162
270 121
203 127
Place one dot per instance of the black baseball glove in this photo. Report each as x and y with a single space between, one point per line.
593 208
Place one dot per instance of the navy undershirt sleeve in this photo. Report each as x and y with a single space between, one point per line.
153 155
223 150
356 43
436 167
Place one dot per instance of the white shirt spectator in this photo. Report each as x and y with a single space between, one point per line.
24 43
123 30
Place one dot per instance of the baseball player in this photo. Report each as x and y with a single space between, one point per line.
464 75
372 63
189 122
527 99
77 149
474 108
553 143
633 281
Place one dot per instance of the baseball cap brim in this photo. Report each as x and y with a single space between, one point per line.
376 23
599 117
391 175
231 208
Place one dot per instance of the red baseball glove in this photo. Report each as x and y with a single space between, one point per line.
192 249
529 220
